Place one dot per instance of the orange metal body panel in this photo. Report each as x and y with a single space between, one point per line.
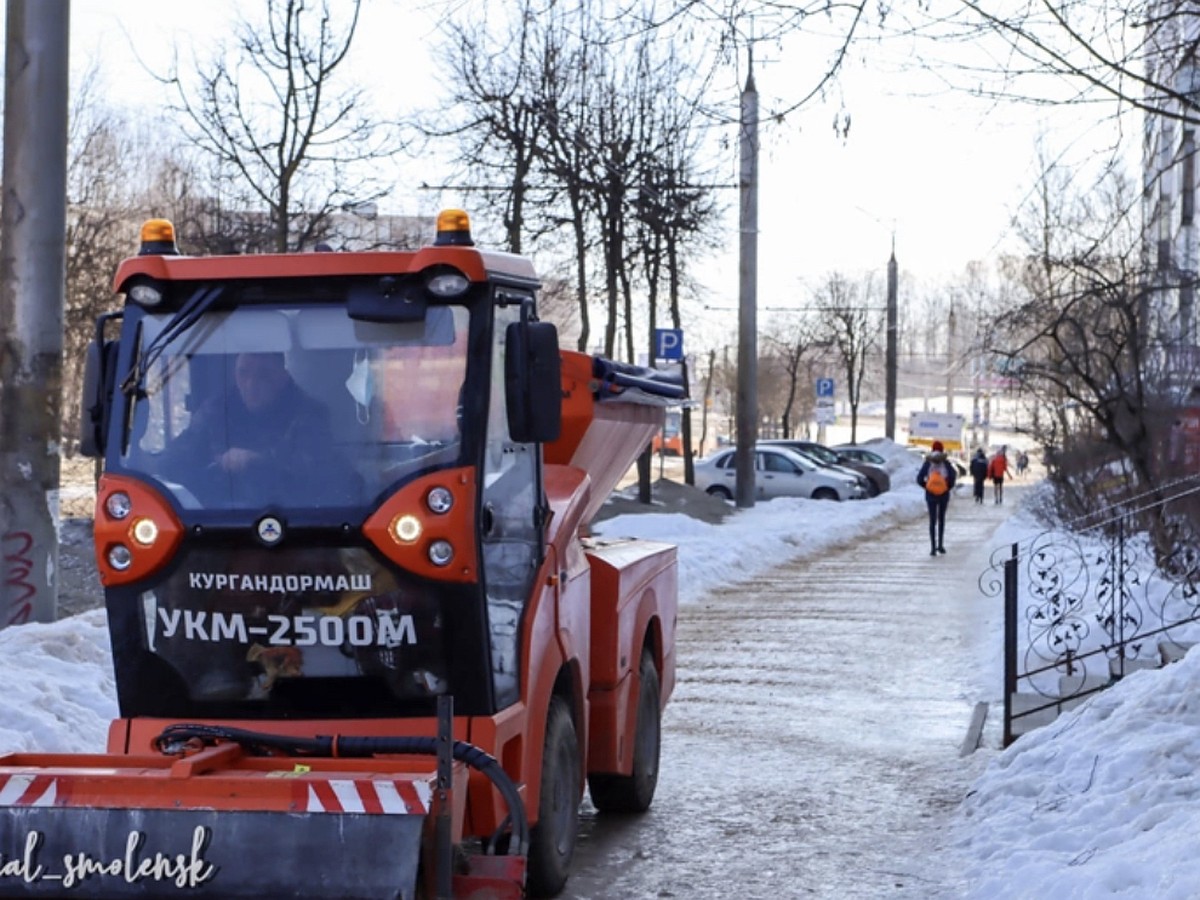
669 446
542 658
220 777
456 526
474 263
504 736
145 503
600 437
633 594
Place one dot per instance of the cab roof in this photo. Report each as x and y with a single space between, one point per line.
477 265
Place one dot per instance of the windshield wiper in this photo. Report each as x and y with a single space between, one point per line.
185 317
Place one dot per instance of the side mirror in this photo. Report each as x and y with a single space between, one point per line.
95 400
533 382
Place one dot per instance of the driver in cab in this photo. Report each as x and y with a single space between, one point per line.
267 435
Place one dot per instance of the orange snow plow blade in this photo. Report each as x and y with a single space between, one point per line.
216 823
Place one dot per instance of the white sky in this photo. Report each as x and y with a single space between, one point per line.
1100 803
943 174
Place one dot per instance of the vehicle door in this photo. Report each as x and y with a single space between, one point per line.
718 475
778 475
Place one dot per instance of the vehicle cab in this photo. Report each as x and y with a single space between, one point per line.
322 491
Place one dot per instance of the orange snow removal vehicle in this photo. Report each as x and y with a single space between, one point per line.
363 644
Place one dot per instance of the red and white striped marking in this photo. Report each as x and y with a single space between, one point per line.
378 797
27 790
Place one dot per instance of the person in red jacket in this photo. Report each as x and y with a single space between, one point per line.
997 469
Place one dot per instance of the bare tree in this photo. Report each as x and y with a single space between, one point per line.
286 136
851 325
1140 55
1086 342
500 72
582 135
101 229
791 345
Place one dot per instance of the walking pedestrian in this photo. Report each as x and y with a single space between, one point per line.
937 477
1022 463
997 469
979 471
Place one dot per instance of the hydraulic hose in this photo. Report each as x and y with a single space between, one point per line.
174 737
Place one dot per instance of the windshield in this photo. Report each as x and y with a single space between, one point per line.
278 405
824 455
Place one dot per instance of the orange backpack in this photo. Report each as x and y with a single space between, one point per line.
936 482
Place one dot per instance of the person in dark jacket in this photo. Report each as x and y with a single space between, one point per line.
937 476
265 440
979 471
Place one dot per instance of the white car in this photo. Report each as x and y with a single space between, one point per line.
778 472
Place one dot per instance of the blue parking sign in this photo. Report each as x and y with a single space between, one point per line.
668 343
825 387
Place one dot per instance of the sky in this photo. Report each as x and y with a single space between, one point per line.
930 172
1100 803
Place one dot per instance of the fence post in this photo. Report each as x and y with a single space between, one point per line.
1010 641
1119 585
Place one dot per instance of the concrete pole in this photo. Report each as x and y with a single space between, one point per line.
951 359
893 353
747 390
32 284
976 415
987 418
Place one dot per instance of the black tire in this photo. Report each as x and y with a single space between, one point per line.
718 491
552 841
873 489
633 793
825 494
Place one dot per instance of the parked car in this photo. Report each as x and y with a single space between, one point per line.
827 462
861 454
877 478
778 472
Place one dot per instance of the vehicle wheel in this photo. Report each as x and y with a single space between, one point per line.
825 494
722 492
873 490
552 841
634 792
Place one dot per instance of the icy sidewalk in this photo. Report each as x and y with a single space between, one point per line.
812 748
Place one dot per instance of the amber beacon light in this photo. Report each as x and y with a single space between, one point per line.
158 238
453 229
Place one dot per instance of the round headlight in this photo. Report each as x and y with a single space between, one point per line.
118 505
119 557
145 532
448 284
440 553
439 500
406 528
145 295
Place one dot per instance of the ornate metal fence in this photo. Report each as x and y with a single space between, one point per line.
1082 610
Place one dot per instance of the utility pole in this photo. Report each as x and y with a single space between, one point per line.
32 284
747 389
951 359
893 361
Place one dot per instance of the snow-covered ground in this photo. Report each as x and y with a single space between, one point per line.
1102 803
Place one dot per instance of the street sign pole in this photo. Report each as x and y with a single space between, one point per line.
825 412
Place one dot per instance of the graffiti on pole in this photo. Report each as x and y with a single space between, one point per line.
18 566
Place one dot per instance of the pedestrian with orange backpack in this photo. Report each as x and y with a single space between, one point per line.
937 477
